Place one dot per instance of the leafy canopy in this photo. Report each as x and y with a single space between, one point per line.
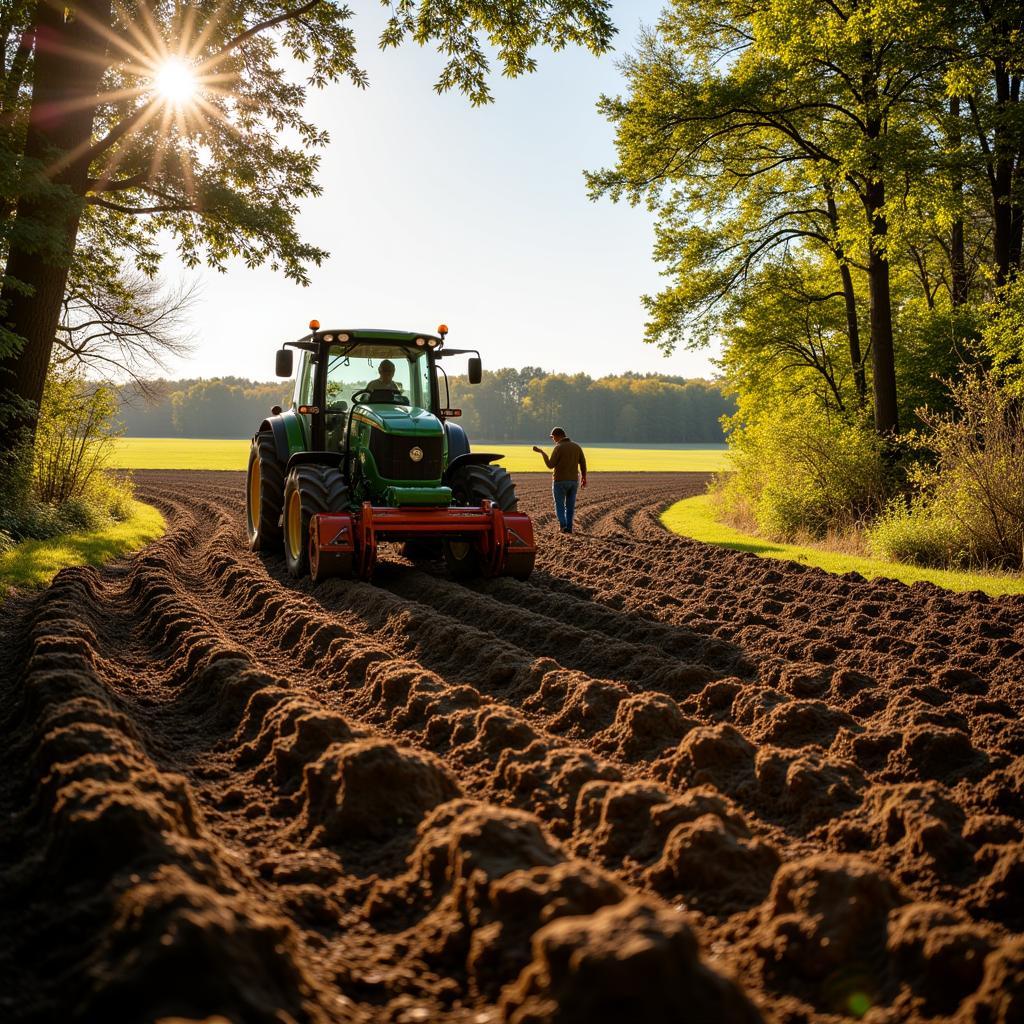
223 166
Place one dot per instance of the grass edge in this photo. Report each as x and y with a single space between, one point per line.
34 563
694 518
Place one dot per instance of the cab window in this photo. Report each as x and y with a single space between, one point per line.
358 368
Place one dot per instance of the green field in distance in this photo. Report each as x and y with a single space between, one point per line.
199 453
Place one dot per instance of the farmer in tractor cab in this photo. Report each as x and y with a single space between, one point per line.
568 467
386 379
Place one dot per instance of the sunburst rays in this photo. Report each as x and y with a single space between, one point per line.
171 76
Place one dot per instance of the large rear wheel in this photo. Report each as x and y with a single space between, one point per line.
308 490
264 492
470 486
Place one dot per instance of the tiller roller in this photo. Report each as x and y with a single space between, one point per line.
343 544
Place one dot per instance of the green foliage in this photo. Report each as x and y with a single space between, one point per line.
936 342
919 533
58 485
744 121
977 481
225 176
1003 335
696 518
462 29
967 507
786 338
73 437
802 472
33 563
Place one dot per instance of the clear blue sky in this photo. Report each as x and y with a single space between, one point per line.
435 211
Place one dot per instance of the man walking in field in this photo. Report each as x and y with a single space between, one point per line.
568 467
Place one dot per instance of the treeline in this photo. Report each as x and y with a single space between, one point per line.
222 407
508 405
523 405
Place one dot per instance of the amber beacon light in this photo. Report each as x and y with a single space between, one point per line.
314 325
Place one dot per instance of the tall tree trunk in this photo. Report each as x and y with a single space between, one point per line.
883 360
850 298
959 284
1007 153
853 335
67 71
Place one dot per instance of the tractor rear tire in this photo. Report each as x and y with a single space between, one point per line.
308 490
264 494
470 486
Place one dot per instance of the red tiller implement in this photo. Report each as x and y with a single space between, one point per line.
345 545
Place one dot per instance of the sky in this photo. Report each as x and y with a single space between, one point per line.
438 212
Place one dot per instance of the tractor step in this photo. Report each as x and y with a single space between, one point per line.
345 544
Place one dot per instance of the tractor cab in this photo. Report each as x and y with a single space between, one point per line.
368 449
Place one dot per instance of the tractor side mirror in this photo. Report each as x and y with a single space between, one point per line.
284 362
476 370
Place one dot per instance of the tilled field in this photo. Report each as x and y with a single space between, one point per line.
657 782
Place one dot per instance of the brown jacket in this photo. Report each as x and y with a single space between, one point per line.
566 460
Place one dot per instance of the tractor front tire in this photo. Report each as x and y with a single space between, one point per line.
308 490
470 486
264 494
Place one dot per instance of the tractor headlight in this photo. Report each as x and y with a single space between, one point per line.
432 342
342 337
328 337
421 342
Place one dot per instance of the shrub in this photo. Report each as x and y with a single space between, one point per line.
58 485
800 472
918 532
977 482
73 437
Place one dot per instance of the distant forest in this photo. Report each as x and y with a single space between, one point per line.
508 405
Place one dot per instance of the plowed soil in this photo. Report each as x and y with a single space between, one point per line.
658 782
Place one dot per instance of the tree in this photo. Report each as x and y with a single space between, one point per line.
987 74
158 117
755 128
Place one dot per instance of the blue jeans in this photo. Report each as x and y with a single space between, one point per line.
564 493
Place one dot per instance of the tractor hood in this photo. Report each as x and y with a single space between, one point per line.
400 419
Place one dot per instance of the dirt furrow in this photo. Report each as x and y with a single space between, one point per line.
224 792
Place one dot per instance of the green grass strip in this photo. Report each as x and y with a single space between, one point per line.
695 518
35 562
203 453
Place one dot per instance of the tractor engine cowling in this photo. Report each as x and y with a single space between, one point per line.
399 448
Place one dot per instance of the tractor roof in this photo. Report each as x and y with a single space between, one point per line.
372 334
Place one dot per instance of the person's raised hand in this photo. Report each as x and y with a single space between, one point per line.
539 451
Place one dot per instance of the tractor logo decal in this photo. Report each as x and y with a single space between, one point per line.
416 454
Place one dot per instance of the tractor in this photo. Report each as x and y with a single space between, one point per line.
367 454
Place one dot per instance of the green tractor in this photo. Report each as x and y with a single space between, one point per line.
367 454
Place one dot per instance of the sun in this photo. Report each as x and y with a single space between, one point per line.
175 81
